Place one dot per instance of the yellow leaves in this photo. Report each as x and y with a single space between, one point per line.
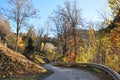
42 46
107 21
114 5
84 57
91 31
115 11
50 51
108 43
111 5
21 43
111 30
112 1
38 60
65 60
113 61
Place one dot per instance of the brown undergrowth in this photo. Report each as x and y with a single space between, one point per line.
15 64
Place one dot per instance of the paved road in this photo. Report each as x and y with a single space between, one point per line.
61 73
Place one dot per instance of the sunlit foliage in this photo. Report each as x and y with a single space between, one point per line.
21 43
42 46
115 40
113 61
114 5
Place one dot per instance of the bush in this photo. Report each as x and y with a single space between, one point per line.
113 61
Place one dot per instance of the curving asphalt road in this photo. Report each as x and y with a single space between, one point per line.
61 73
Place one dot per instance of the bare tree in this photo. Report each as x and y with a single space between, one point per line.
19 12
66 22
40 33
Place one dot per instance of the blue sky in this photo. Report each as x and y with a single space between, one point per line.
89 9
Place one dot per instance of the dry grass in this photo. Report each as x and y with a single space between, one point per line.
13 64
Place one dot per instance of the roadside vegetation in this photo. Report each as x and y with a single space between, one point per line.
24 52
13 63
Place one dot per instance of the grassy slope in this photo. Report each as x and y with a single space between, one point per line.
13 64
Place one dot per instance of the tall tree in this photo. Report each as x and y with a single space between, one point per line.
66 21
19 12
115 7
114 27
30 46
31 36
39 40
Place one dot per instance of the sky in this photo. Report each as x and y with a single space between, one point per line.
89 9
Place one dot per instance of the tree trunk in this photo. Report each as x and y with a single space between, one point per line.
16 44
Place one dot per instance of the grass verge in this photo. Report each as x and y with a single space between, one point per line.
39 76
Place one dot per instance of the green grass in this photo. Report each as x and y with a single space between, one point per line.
95 69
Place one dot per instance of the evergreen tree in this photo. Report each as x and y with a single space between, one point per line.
30 47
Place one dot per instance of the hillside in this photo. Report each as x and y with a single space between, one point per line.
14 64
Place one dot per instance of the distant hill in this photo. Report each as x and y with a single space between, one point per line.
13 64
83 33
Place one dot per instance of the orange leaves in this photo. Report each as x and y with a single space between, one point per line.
118 23
70 57
114 38
113 34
